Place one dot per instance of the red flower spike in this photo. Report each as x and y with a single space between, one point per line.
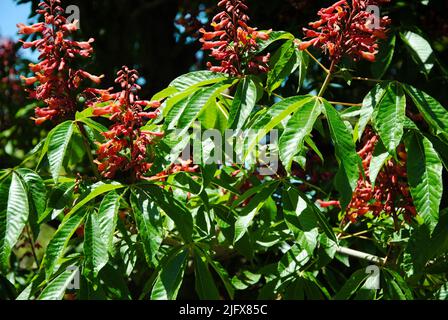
58 82
344 29
232 41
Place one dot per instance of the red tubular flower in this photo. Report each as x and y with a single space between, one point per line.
57 81
390 195
127 149
233 42
347 29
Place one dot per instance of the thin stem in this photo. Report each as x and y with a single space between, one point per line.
317 61
327 79
31 239
86 143
346 103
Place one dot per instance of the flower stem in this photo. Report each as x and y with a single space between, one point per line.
327 79
317 61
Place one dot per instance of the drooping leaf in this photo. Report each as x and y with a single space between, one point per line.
420 50
283 63
352 285
433 112
95 247
204 283
36 189
149 223
379 157
107 217
58 244
14 219
170 278
348 174
424 169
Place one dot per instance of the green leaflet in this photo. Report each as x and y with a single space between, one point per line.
433 112
424 169
348 174
14 219
58 244
298 128
58 142
389 117
149 223
243 103
170 277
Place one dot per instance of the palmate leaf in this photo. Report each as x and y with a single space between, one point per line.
424 169
58 141
348 174
149 223
14 219
389 117
298 128
170 277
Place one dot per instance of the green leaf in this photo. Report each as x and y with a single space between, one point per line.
243 103
14 219
352 285
298 128
55 290
198 102
349 161
389 117
149 223
204 282
107 217
368 105
95 247
433 112
197 79
274 115
273 37
174 209
379 157
384 57
60 240
36 189
420 50
248 213
424 169
283 63
58 139
95 191
170 278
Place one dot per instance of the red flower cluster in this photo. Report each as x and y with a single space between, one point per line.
126 149
57 80
345 29
390 195
233 42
